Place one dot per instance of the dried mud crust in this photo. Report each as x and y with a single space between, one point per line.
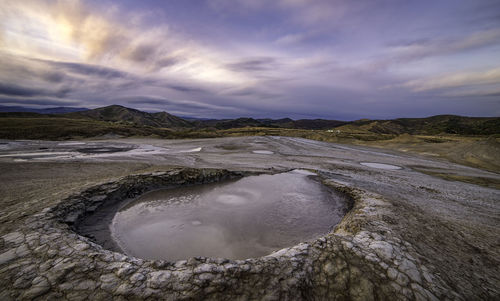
364 258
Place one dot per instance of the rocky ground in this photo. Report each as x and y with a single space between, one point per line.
408 235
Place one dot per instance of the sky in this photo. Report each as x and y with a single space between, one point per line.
333 59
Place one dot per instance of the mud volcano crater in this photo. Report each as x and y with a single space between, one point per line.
208 213
353 260
299 268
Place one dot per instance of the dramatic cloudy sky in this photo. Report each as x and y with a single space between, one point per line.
337 59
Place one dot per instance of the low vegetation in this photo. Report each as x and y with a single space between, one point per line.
470 141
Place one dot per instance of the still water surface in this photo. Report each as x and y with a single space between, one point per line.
250 217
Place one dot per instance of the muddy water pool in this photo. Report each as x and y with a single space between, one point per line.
250 217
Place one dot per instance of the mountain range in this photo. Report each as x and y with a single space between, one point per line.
448 124
55 110
117 113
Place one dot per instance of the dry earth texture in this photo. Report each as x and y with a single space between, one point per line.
477 151
408 235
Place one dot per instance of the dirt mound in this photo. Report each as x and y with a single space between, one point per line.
483 153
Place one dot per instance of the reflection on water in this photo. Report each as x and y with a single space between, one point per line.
380 165
251 217
263 152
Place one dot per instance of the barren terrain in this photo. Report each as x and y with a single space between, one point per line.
409 233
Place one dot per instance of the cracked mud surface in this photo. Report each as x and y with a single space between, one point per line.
408 236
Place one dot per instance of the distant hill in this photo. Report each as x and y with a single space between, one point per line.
229 123
306 124
440 124
116 113
55 110
313 124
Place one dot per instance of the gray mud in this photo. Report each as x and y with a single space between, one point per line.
102 150
409 235
251 217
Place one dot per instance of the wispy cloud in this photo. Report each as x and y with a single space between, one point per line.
100 38
224 58
460 79
16 90
442 46
182 107
254 64
38 101
307 12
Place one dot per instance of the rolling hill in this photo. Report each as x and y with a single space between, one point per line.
55 110
116 113
305 124
439 124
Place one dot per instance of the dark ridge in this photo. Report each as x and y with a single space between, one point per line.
446 124
116 113
119 118
55 110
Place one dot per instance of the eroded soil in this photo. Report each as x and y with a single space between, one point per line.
410 235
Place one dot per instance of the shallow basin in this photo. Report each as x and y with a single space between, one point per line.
250 217
380 165
263 152
102 150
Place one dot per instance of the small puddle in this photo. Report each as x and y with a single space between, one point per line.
102 150
70 143
263 152
381 165
194 150
250 217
